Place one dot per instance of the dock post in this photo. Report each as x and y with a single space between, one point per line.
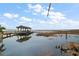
66 35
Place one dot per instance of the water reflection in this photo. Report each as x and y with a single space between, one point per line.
2 47
23 38
37 45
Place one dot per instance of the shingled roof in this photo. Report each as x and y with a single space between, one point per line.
21 26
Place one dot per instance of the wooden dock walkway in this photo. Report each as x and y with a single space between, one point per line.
7 34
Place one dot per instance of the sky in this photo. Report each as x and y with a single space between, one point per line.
34 15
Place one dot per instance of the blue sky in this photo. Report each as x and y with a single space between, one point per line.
61 15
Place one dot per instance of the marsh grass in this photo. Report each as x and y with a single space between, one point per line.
47 34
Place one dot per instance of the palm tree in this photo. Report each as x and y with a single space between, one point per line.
1 40
49 9
1 31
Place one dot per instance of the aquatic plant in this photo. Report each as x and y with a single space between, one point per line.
70 48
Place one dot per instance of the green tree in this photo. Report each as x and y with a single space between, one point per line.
1 29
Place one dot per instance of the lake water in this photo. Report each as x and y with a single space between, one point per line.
35 45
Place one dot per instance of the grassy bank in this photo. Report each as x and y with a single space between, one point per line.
52 33
69 48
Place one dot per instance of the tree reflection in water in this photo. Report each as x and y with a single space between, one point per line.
2 48
23 38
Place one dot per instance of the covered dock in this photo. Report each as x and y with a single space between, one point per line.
23 30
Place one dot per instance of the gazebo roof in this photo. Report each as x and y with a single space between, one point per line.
21 26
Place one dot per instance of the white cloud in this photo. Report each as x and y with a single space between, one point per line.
68 23
4 24
34 13
15 15
53 14
29 6
9 15
42 21
60 22
36 8
47 22
25 19
44 12
54 17
20 23
71 22
51 8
